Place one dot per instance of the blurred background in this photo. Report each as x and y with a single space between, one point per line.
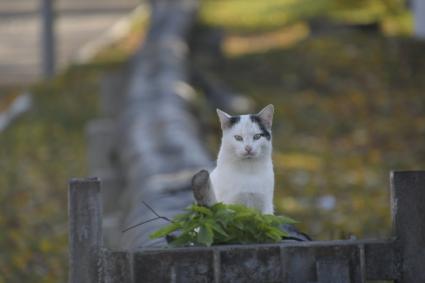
346 78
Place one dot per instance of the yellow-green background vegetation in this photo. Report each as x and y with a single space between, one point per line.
349 104
39 153
349 108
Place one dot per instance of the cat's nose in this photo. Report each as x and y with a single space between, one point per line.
248 148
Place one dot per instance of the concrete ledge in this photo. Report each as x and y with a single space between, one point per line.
283 262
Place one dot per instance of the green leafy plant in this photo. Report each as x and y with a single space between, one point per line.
224 224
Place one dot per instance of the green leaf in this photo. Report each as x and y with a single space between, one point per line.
184 239
164 231
245 214
286 219
275 234
218 207
201 209
205 236
217 227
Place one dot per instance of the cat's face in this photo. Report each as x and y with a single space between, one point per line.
247 136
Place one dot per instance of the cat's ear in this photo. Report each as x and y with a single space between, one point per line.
224 119
266 115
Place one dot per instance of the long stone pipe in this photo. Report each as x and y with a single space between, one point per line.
160 143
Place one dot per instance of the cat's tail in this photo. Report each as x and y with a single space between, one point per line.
294 234
202 189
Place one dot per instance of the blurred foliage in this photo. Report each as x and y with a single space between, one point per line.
39 152
254 16
349 108
43 149
120 50
8 94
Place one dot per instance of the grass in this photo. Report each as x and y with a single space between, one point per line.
349 108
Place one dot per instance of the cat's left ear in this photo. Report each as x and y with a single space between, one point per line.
224 119
266 115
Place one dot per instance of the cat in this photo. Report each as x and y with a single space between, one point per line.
244 172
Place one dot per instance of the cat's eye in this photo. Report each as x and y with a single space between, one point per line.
257 137
238 138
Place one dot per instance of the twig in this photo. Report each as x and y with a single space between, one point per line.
154 212
147 221
138 224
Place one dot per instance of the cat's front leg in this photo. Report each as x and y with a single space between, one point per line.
202 189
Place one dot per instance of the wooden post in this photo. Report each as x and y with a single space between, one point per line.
408 208
85 230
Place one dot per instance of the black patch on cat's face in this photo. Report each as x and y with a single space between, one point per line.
264 132
234 120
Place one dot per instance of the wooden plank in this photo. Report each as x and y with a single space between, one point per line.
333 271
85 229
408 209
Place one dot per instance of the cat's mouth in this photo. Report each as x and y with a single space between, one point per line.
248 155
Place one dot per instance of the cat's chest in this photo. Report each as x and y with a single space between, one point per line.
233 182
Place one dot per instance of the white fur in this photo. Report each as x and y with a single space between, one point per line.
240 177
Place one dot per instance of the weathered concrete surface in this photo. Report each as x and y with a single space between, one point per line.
85 229
179 265
382 261
251 264
284 262
116 266
333 271
408 207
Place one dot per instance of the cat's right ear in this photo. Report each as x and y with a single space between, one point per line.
224 119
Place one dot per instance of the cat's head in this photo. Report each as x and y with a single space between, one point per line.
247 136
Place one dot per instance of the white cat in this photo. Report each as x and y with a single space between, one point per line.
244 172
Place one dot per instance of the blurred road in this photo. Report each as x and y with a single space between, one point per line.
77 22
